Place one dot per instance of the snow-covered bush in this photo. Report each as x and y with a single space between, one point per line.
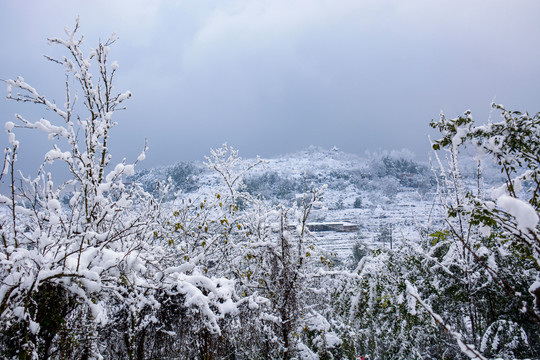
509 214
469 288
85 268
96 267
371 306
485 260
265 248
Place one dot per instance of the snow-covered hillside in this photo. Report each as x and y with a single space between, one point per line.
388 196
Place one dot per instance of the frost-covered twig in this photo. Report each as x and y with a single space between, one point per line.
225 161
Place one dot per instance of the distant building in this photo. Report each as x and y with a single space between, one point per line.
333 226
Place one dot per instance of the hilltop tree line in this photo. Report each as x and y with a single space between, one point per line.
385 172
101 267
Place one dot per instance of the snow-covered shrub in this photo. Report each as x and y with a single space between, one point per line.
471 285
485 259
505 339
86 268
268 250
71 255
374 306
510 213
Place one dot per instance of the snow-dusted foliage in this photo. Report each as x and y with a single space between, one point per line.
385 322
221 263
466 289
484 262
96 267
85 266
269 253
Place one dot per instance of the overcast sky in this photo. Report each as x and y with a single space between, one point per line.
272 77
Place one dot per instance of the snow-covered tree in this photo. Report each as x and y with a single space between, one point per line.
485 260
265 248
86 269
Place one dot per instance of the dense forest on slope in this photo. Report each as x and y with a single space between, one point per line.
224 260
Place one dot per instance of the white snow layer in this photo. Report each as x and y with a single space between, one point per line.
525 214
